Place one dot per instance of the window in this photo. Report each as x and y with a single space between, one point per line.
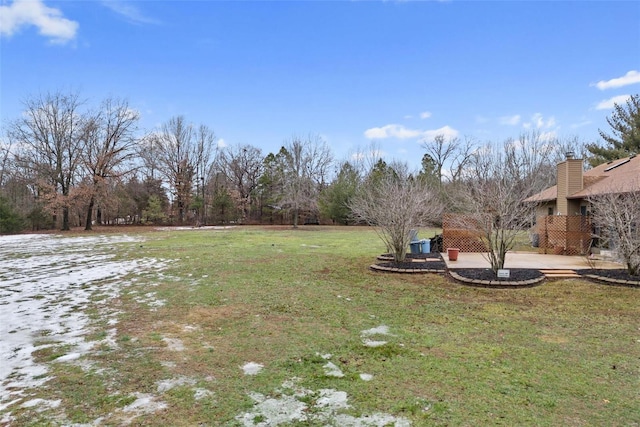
550 211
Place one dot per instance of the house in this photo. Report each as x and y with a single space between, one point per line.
562 223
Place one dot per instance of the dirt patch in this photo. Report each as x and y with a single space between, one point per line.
208 316
554 339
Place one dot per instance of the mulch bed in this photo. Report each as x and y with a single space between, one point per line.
619 277
516 274
518 277
414 263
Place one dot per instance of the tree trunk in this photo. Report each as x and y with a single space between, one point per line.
295 217
92 202
65 218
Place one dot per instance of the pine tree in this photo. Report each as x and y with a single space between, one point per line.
624 139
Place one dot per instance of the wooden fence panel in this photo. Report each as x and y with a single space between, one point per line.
564 235
455 235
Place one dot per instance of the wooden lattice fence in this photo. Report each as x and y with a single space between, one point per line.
564 235
457 232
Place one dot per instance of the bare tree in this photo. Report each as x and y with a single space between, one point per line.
307 163
149 152
109 142
450 155
5 151
205 143
496 183
395 203
242 166
49 135
183 152
617 219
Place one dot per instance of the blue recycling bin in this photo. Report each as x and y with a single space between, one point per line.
425 246
415 247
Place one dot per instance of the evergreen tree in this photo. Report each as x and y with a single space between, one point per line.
10 221
154 212
624 139
334 200
429 172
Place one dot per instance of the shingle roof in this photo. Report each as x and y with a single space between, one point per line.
618 176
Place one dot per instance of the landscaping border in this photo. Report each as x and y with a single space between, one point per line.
497 284
418 267
611 281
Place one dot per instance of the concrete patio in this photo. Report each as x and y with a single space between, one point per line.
531 260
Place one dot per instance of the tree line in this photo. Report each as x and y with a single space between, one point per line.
64 164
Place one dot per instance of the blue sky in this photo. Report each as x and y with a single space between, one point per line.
393 73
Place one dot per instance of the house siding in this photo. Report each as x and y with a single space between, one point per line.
569 182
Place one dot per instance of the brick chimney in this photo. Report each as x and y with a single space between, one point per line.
569 182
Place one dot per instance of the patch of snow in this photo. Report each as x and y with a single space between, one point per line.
331 370
292 385
46 283
374 420
149 299
366 377
174 344
69 357
380 330
372 343
252 368
41 403
166 385
201 393
144 404
274 412
7 418
332 399
326 410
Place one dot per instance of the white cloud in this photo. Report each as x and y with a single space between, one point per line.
447 131
48 20
425 115
129 11
400 132
222 143
538 122
391 131
510 120
632 77
608 104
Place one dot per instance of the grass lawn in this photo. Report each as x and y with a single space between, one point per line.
341 344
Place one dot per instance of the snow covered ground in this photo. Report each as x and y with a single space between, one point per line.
46 283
